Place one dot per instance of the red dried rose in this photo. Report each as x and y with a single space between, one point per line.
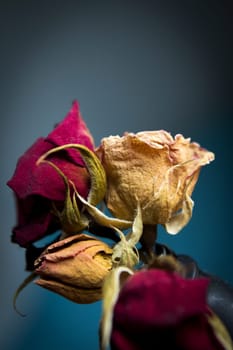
164 310
36 187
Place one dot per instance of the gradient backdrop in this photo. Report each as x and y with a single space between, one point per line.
133 66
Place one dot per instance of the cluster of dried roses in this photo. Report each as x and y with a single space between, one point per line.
144 179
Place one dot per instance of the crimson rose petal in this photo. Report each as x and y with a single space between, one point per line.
33 221
37 186
72 129
163 309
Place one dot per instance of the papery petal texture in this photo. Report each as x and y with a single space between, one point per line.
155 169
75 267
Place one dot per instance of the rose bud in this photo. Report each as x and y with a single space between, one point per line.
75 268
37 187
156 170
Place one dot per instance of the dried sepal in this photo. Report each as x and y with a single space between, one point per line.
24 284
110 291
125 252
102 219
70 217
95 169
220 331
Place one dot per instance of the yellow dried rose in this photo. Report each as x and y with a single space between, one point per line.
156 170
75 268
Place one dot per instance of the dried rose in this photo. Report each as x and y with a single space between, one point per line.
161 308
156 170
36 187
75 268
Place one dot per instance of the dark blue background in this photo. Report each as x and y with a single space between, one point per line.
133 66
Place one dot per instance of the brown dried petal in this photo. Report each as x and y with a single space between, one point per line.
75 267
75 294
155 169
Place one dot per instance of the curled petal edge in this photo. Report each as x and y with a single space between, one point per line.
181 219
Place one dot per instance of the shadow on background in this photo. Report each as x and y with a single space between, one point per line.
133 66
